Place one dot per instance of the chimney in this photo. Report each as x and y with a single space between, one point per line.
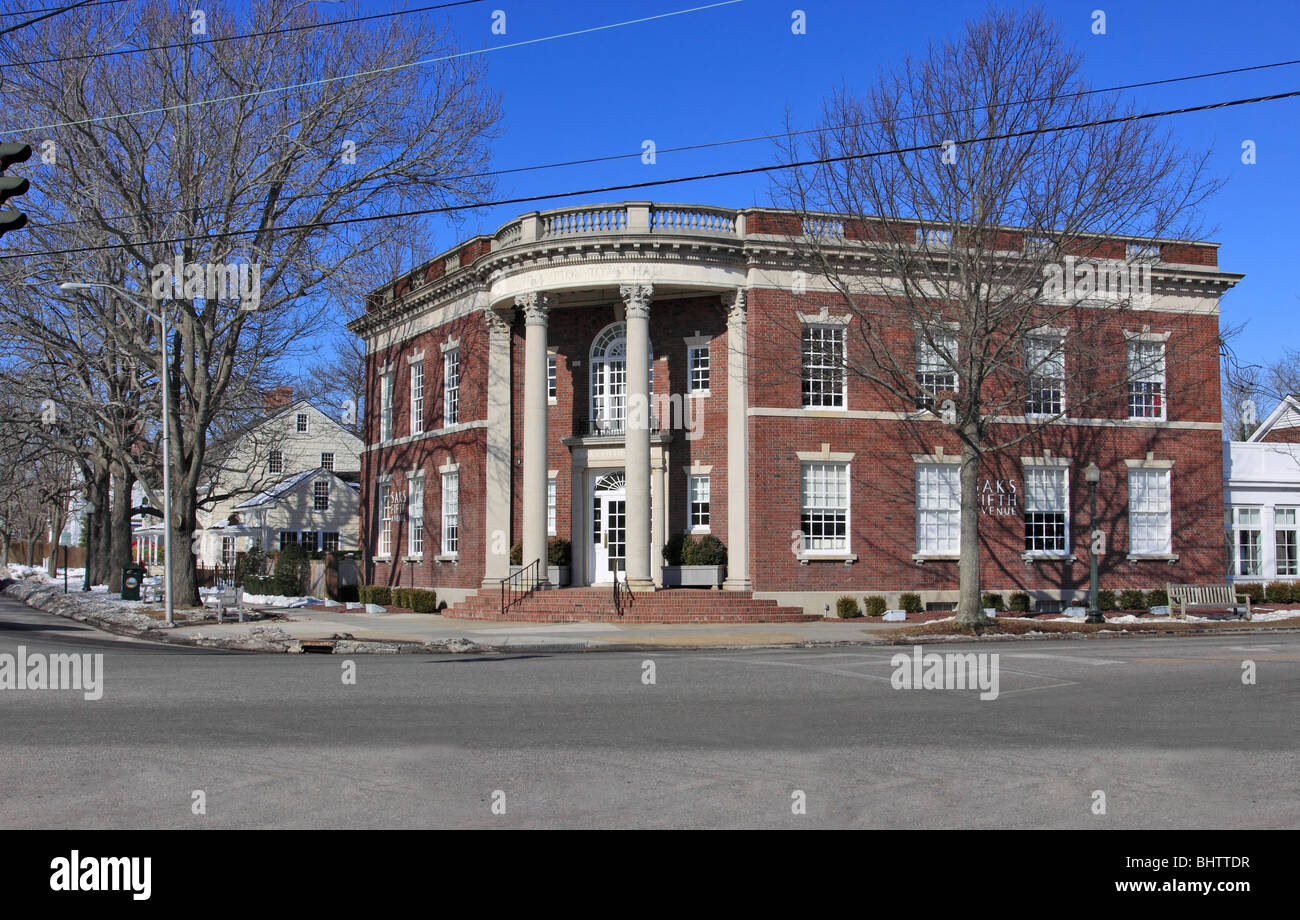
278 398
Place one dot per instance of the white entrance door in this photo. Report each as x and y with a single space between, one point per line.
608 528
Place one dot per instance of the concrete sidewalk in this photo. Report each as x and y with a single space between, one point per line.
305 624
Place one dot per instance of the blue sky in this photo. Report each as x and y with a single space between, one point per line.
731 72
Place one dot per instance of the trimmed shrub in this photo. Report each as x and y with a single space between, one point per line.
1278 592
401 597
259 584
847 608
288 570
1157 597
558 552
708 550
1106 600
1019 602
517 554
674 549
994 601
1132 599
422 600
875 605
250 564
1254 590
910 602
377 594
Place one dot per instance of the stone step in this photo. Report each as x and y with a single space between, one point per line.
573 605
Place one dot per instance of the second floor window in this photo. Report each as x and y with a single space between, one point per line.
551 389
320 495
327 460
417 397
697 359
934 371
451 387
301 423
1045 370
1146 379
276 462
386 407
824 374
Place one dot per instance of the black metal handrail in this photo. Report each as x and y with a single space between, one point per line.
518 585
622 594
610 427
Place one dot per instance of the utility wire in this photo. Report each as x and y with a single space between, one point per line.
762 137
752 170
43 9
231 38
99 119
51 13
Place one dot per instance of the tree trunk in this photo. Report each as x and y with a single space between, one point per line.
119 527
100 531
57 519
185 581
970 610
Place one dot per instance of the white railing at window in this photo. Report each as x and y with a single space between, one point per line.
699 220
1036 244
588 220
927 236
823 227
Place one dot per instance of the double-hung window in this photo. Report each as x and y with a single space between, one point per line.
824 376
1247 541
1149 515
1284 538
417 397
451 386
552 388
384 545
825 512
385 407
1047 511
320 495
327 460
935 360
697 487
938 509
1146 378
415 515
301 423
450 513
1045 371
276 462
550 507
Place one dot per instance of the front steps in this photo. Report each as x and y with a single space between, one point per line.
671 605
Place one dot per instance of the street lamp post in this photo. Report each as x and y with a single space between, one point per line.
1093 475
166 441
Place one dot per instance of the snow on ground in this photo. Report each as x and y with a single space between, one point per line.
275 600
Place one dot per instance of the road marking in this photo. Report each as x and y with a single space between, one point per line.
1049 657
1222 658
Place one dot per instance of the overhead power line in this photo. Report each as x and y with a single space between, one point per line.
45 9
231 38
51 13
653 183
705 145
324 81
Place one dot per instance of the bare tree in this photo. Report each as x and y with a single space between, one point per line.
191 158
950 220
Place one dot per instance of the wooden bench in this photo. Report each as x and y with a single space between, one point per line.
227 598
1184 596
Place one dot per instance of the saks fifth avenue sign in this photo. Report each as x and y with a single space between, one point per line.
998 496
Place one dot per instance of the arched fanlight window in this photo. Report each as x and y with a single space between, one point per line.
611 482
609 378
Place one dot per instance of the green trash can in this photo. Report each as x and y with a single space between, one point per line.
132 575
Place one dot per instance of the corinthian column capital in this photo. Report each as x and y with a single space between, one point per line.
636 298
735 303
536 306
500 321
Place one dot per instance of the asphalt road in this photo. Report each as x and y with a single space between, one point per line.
1164 728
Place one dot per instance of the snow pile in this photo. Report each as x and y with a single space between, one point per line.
275 600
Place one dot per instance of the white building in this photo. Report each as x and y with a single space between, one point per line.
1262 494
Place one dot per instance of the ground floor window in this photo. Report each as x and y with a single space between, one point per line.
227 552
287 537
1149 513
309 541
698 489
330 541
384 545
415 512
938 509
825 517
1284 535
450 513
1247 540
1046 511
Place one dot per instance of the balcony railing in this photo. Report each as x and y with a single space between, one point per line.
610 427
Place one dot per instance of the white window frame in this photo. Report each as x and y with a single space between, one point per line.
386 406
316 490
698 385
228 554
552 498
934 373
275 462
302 423
1281 527
327 464
325 541
1247 520
811 336
1155 507
552 378
1150 373
384 536
451 387
415 517
830 509
417 397
694 523
1045 373
934 517
451 513
1031 503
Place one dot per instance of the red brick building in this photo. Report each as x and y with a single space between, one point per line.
508 380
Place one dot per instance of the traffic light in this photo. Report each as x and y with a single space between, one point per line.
12 186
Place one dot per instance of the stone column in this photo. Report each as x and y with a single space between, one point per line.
737 444
658 509
499 465
536 307
636 299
